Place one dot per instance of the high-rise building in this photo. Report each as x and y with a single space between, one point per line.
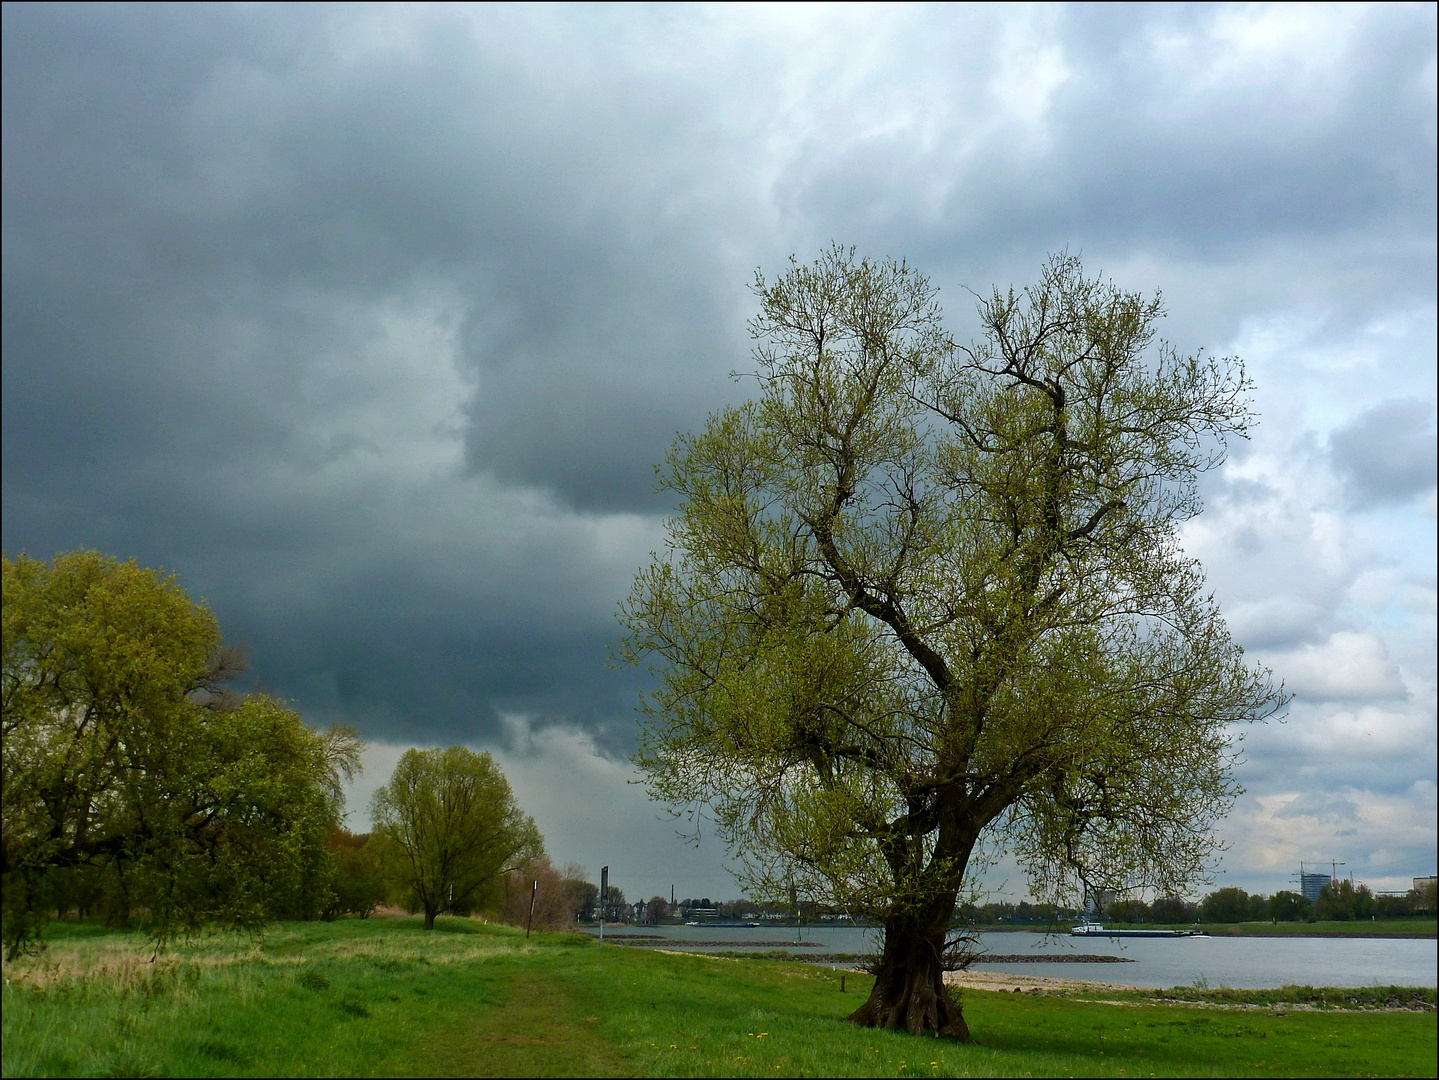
1311 884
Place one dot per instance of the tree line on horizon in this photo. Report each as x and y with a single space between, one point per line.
1341 901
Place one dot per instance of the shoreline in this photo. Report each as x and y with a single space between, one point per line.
1373 935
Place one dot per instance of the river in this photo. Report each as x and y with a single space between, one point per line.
1252 962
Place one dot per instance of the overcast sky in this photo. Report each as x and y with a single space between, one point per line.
369 322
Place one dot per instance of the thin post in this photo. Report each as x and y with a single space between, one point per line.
604 897
534 891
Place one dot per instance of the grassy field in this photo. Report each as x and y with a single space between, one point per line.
381 997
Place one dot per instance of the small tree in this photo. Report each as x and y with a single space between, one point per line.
558 899
615 908
1342 901
919 594
1424 899
1230 905
1173 909
452 828
1288 906
358 885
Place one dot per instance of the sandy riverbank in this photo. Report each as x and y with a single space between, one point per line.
1007 982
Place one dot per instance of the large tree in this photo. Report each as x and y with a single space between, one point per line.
134 778
452 828
924 602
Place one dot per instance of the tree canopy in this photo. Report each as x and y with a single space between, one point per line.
923 602
453 828
134 779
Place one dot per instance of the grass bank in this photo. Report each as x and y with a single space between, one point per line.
381 997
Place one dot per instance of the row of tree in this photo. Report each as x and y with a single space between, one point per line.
374 876
1339 901
136 780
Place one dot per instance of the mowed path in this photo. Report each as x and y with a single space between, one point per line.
536 1032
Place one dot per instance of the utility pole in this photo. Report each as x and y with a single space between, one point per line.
604 897
534 892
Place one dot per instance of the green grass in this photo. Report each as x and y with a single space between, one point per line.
381 997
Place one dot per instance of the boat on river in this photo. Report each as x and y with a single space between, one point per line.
1096 930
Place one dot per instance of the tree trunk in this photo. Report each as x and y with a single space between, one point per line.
430 913
909 990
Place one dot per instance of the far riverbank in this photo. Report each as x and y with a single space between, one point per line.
1378 928
1416 929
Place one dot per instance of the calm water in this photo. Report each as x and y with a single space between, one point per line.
1240 962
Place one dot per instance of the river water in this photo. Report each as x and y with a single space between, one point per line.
1252 962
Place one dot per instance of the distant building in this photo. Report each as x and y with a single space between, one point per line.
1422 883
1097 902
1312 884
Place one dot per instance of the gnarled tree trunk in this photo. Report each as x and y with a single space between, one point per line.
909 990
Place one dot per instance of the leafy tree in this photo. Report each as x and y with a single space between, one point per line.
1342 901
919 595
559 899
358 883
587 897
615 908
133 778
1173 909
1229 905
1258 908
1129 911
1425 899
1287 906
452 828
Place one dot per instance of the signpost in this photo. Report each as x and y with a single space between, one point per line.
604 897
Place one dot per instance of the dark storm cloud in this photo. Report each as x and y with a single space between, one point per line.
372 321
1386 454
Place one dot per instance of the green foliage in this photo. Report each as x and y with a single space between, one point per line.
448 828
922 602
358 883
1288 906
559 896
1342 900
133 781
1225 906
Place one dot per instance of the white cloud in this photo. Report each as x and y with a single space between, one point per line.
1346 667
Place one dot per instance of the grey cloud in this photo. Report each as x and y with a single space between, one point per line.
1277 622
216 217
1322 805
1386 454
